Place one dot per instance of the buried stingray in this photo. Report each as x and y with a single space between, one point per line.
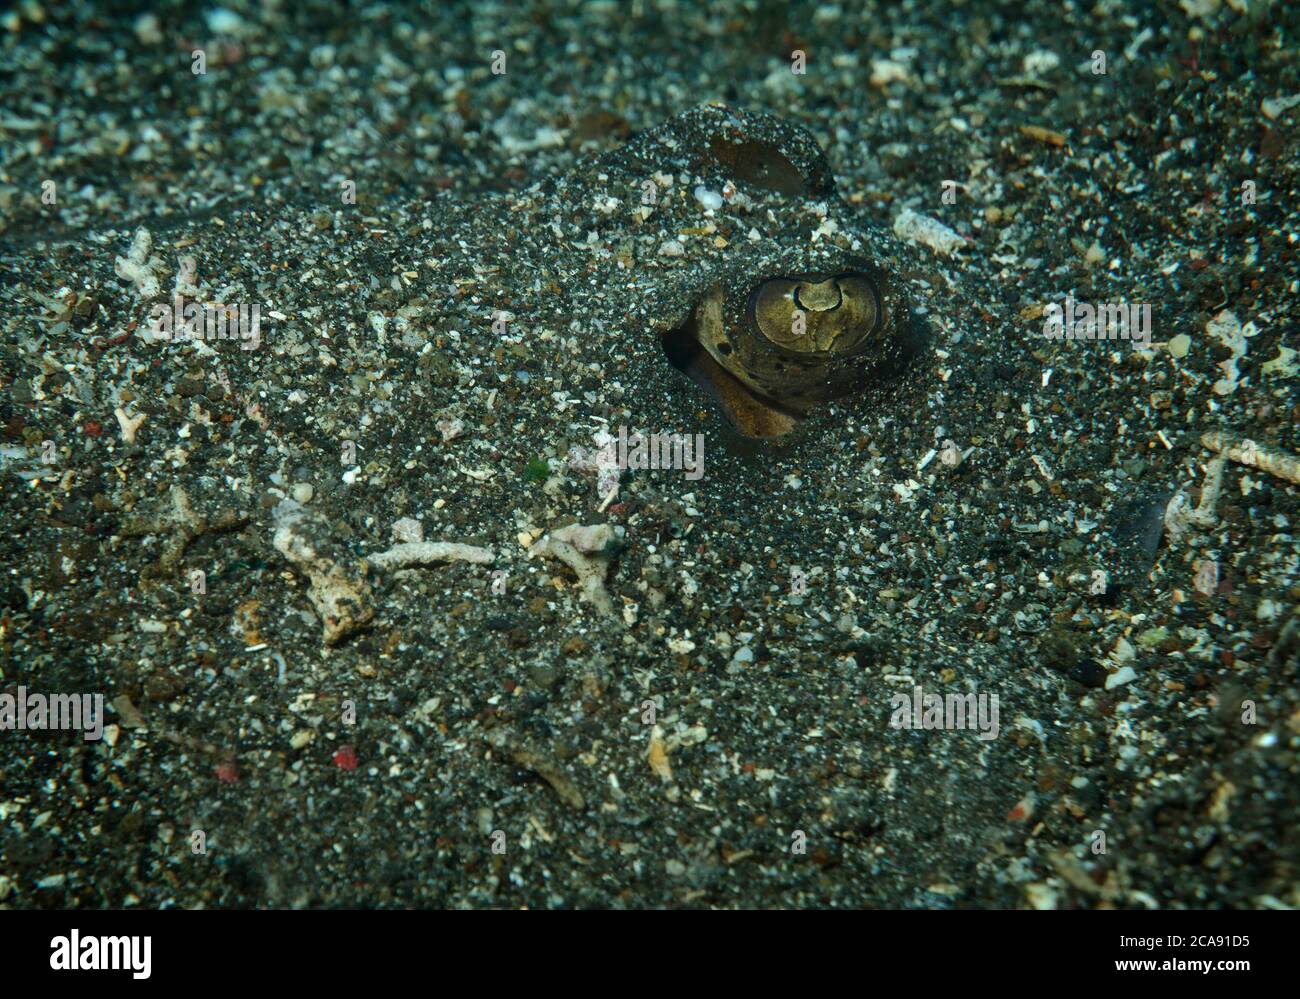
714 246
701 280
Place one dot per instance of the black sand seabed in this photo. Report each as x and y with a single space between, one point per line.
501 752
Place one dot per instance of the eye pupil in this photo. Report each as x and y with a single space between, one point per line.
821 297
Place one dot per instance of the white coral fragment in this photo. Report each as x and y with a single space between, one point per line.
585 550
916 228
407 529
129 424
424 552
1179 514
1245 451
1228 330
140 266
339 593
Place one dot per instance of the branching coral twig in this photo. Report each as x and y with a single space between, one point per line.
1245 451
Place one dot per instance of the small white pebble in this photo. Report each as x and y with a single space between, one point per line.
1041 62
1275 106
224 22
1123 675
450 429
711 200
886 71
148 30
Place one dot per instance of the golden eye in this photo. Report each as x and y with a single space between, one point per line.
819 317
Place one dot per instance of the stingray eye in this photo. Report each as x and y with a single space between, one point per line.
814 316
